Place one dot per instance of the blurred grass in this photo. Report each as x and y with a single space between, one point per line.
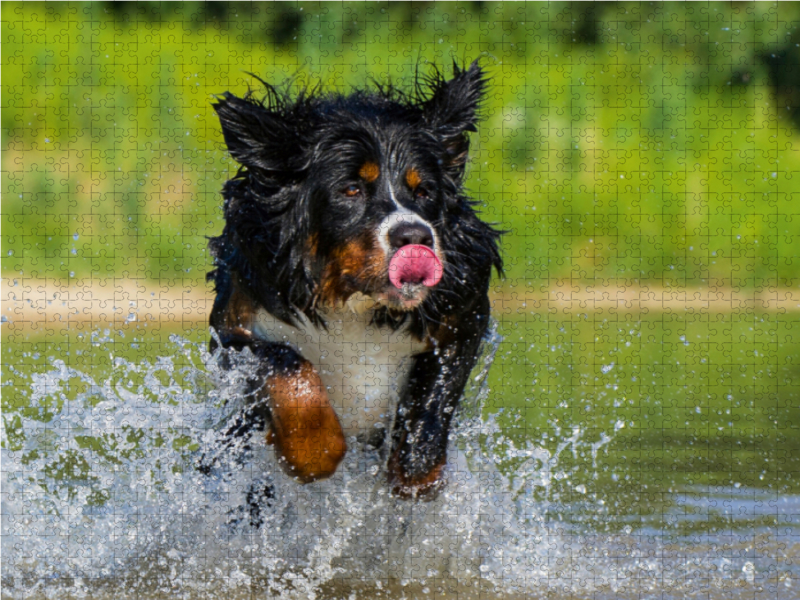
622 143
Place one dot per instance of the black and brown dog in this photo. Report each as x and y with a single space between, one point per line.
355 269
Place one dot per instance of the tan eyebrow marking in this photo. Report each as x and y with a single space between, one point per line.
413 178
369 172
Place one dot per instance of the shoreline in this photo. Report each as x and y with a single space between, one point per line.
50 303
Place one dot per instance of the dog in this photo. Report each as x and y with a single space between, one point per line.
355 269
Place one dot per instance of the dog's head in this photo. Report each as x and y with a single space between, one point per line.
355 196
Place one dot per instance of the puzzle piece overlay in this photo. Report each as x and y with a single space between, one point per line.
637 433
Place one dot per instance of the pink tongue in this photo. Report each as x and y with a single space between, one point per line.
415 264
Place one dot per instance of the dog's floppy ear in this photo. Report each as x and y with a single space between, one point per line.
452 110
256 136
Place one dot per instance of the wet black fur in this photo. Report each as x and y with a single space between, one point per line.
296 156
295 153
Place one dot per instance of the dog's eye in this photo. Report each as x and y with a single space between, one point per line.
351 191
421 193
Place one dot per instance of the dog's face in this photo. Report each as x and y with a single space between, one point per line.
354 196
379 208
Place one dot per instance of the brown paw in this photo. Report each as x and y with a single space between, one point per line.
305 429
426 487
311 457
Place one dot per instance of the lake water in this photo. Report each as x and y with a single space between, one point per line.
608 454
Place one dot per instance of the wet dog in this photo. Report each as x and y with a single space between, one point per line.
355 269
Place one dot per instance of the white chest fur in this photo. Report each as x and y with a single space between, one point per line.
362 365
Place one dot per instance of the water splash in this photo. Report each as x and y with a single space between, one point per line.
102 497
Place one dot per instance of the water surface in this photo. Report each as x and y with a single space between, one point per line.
607 455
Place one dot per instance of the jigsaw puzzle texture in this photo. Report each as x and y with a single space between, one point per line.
631 427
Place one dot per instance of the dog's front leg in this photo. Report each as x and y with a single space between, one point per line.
428 403
304 428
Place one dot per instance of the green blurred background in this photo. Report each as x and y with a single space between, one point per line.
622 142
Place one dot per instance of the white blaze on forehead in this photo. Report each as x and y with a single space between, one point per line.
392 196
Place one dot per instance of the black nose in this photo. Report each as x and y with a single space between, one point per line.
411 233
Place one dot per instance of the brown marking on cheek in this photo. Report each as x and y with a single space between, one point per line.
413 178
353 267
369 172
305 429
312 244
